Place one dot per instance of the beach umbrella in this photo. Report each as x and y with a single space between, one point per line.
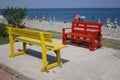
77 16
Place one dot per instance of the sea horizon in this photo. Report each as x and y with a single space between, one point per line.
67 14
69 8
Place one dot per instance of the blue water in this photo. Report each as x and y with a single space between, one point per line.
62 14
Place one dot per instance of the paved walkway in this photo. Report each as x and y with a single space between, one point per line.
79 63
5 75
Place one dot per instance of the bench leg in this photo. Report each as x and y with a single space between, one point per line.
24 47
64 41
55 64
12 53
99 42
63 36
44 62
58 57
47 66
92 45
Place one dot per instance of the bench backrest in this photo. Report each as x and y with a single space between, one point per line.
86 27
34 34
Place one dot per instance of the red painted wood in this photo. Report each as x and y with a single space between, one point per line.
85 30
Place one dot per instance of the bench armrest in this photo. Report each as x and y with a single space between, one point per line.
64 29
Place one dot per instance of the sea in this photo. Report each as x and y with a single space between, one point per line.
67 14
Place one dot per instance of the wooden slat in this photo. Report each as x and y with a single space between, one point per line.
86 26
49 45
30 34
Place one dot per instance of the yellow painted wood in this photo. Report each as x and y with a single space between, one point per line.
37 38
50 66
11 43
44 50
24 47
58 56
19 53
50 45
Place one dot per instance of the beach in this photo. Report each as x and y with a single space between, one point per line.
45 25
58 26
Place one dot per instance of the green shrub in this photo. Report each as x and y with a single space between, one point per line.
14 16
3 31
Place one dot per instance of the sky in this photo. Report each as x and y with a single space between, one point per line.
60 3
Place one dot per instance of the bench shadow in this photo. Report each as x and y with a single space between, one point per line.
37 54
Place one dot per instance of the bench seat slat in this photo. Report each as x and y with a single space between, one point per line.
49 45
80 34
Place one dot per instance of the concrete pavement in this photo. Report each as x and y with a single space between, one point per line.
78 63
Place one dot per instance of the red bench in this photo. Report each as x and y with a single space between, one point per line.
87 33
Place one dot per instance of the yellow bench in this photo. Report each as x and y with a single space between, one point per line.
37 38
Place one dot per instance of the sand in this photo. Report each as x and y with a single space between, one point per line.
57 26
45 25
